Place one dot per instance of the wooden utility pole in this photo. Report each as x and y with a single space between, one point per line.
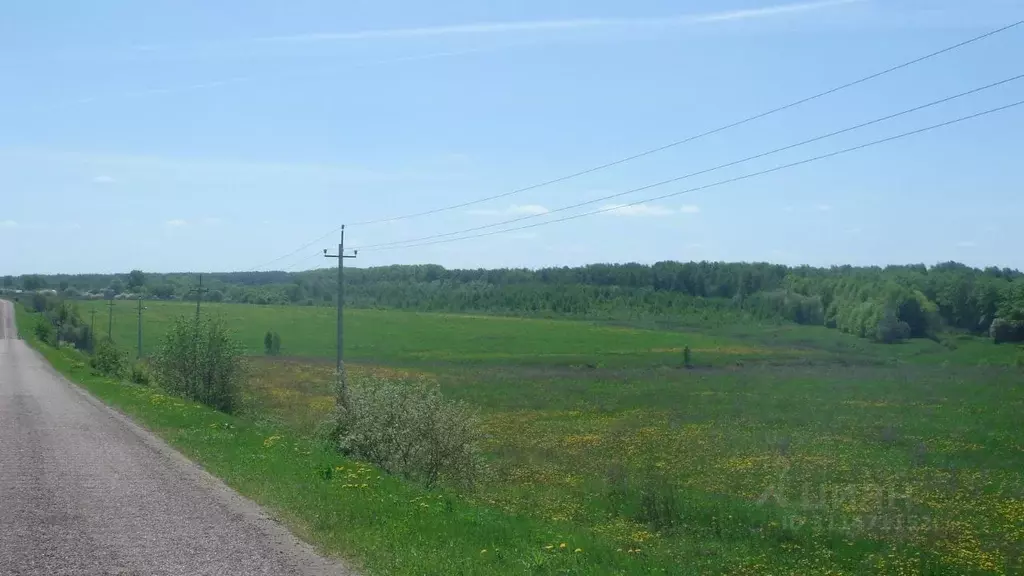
141 308
341 307
199 291
110 320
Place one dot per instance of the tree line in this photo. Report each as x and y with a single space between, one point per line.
887 304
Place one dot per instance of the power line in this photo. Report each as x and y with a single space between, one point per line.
660 148
723 182
303 261
297 250
698 136
700 172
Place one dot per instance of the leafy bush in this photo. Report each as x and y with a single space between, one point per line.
109 360
201 360
1002 330
80 336
140 374
44 330
891 329
408 428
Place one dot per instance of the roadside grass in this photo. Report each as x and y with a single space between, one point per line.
858 462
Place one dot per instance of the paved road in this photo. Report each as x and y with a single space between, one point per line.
84 491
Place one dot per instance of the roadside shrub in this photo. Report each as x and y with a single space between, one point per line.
44 330
140 374
109 360
687 360
410 429
276 344
201 360
80 336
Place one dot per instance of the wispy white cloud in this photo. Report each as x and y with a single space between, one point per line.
176 223
966 244
103 179
788 209
689 209
823 208
636 210
528 209
8 224
557 25
854 230
513 210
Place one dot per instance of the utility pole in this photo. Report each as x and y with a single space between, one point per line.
141 308
92 321
110 319
341 307
199 294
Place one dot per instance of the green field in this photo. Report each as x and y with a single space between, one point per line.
785 450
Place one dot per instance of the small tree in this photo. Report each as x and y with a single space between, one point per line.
136 280
686 357
201 360
271 343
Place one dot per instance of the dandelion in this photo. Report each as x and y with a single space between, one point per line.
562 546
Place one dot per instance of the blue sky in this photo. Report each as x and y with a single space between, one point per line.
175 135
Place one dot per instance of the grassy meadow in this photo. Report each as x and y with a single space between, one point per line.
783 450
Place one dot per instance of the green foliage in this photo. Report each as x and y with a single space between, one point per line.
140 374
1004 330
33 282
44 330
271 343
109 360
136 280
80 336
410 429
201 360
687 360
890 329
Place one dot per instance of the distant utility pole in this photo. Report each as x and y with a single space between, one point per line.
92 322
341 304
199 294
110 319
141 308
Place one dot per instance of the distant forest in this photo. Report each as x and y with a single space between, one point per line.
887 304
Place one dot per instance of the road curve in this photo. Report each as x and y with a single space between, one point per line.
84 491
